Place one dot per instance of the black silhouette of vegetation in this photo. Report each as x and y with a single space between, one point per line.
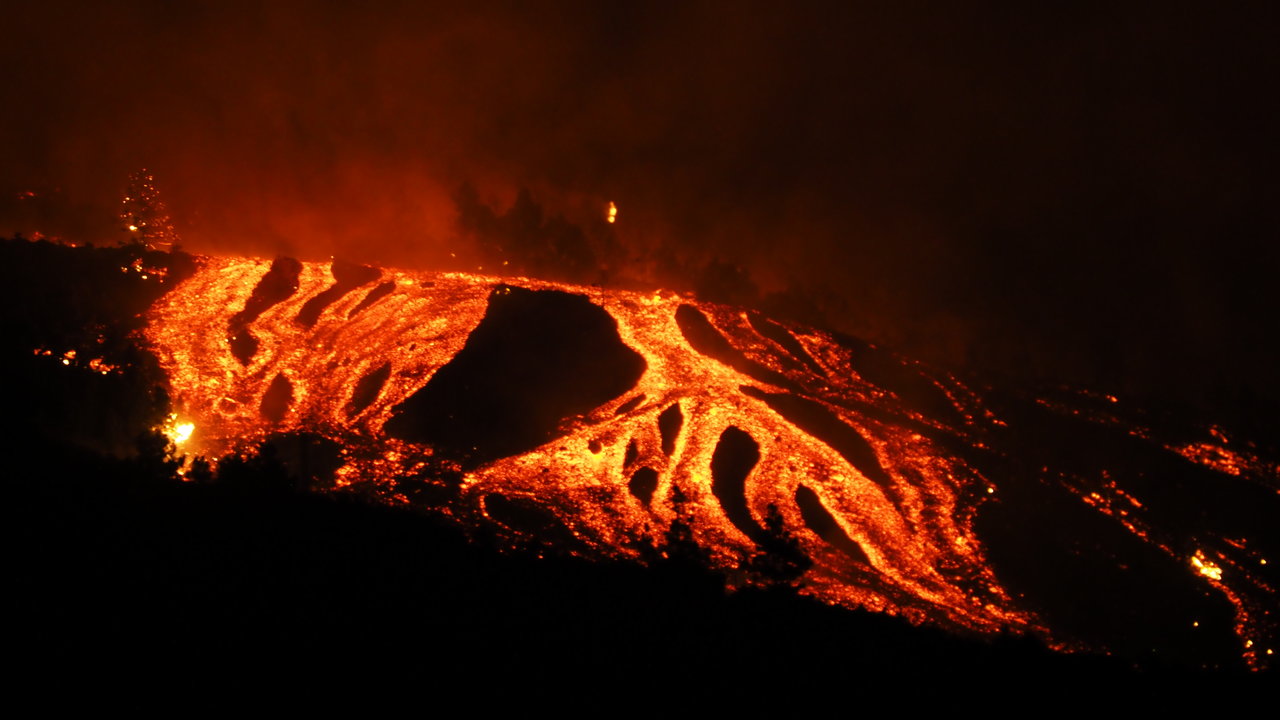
523 241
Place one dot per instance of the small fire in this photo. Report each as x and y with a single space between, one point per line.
177 432
100 366
612 215
1205 566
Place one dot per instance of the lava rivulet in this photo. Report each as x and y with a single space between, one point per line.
622 425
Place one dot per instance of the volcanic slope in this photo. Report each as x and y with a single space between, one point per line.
624 425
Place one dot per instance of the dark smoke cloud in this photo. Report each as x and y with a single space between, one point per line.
1082 192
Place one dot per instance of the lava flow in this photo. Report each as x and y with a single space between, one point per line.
628 425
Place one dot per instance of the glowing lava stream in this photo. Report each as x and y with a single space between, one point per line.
881 510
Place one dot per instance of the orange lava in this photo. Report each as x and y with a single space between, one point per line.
902 543
919 556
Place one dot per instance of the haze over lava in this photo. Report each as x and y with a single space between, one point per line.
1082 194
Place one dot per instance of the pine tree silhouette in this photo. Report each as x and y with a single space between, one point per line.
781 559
144 216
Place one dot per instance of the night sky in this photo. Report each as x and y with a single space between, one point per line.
1087 193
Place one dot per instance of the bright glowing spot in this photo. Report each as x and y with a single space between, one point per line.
182 432
613 213
177 432
133 228
1206 567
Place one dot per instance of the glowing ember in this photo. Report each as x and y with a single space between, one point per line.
181 432
177 432
1206 567
1218 456
613 213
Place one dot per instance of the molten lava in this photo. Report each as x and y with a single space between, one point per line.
629 425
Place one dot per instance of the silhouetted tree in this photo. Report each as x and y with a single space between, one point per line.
261 473
144 216
681 547
727 283
781 559
524 240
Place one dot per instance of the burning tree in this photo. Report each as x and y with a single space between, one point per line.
143 214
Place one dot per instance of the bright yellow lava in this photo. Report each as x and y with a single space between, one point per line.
1205 567
178 433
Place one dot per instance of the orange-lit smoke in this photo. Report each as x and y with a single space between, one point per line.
967 185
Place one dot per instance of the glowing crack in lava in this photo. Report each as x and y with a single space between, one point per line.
622 425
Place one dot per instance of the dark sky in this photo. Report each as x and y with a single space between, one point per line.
1087 192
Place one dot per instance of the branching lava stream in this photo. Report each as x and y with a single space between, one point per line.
614 424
